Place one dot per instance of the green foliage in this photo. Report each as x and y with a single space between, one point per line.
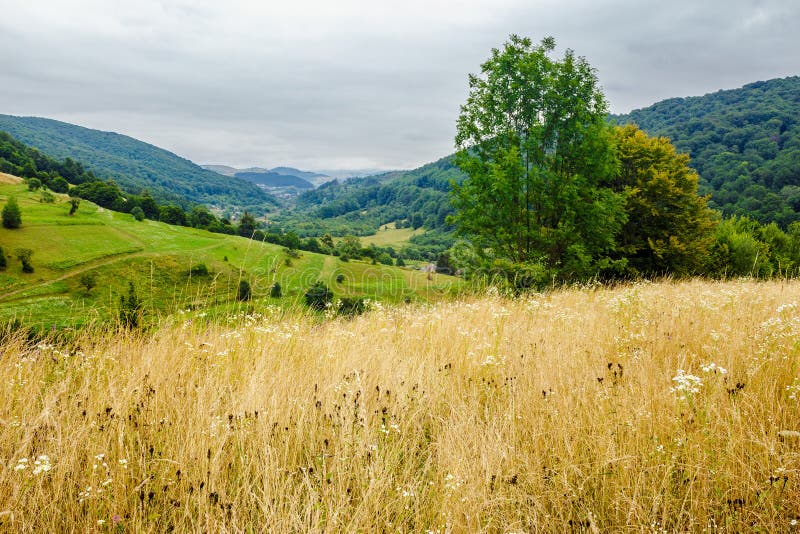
73 205
247 225
24 256
137 213
199 269
351 306
135 165
34 184
47 197
59 185
533 142
275 291
88 280
318 296
12 216
3 260
744 143
340 278
244 292
131 308
669 228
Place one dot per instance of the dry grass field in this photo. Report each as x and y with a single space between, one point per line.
643 408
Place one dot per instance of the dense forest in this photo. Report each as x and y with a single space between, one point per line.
137 166
744 143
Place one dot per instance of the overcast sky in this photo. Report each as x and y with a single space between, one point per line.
334 84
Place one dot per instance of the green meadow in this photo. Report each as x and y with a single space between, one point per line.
158 258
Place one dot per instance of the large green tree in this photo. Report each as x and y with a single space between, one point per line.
669 228
539 160
12 216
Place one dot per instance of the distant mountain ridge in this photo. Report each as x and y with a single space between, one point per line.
273 179
314 178
136 165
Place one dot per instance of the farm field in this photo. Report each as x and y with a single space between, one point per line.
669 407
158 259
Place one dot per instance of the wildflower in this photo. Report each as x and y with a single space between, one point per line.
101 522
686 385
713 368
41 465
123 463
22 464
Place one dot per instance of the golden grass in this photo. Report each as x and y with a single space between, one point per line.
548 413
9 179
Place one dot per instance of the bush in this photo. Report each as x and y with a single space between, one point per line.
275 291
130 308
351 306
201 269
73 205
12 217
318 296
88 281
3 260
138 213
339 278
34 184
244 292
24 255
59 185
47 197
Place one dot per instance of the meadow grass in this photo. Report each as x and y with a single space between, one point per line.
643 408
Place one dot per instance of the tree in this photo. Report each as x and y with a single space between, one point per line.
318 296
88 281
670 228
538 156
12 217
73 205
244 293
138 213
247 225
3 261
34 184
131 308
24 256
275 291
59 185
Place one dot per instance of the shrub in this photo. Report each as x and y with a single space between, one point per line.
73 205
138 213
339 278
318 296
3 261
88 281
47 197
131 308
201 269
244 292
351 306
34 184
275 291
59 185
24 255
12 217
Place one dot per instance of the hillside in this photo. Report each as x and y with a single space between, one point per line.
360 206
136 165
744 143
157 257
639 408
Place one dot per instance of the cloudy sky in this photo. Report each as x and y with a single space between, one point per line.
335 84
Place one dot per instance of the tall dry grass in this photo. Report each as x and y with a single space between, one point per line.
549 413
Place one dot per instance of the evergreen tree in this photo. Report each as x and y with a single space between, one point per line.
247 225
12 217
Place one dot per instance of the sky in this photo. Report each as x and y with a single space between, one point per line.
352 84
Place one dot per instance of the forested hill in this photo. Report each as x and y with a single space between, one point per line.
744 143
358 206
136 165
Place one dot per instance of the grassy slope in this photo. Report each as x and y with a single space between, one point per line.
552 413
116 248
388 235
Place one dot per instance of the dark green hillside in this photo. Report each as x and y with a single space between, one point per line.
360 206
744 143
136 165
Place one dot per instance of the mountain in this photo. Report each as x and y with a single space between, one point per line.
744 143
136 165
314 178
275 180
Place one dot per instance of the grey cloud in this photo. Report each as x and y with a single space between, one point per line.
354 83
